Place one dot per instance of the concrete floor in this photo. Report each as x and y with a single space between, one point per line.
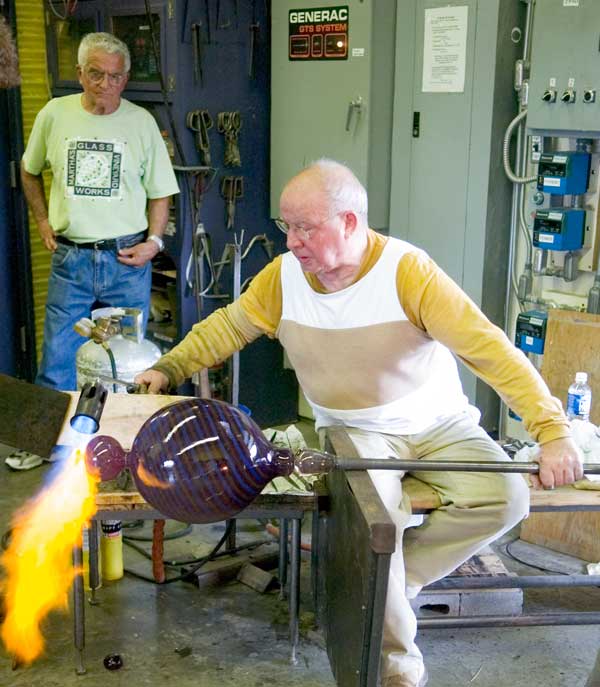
229 634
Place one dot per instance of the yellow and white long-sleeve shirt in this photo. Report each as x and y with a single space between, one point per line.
377 354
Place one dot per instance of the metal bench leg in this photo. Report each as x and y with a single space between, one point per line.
94 573
314 557
79 610
283 556
295 586
231 542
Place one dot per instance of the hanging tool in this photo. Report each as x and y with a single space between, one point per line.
207 17
203 178
200 253
232 188
226 23
186 27
197 53
229 124
254 29
200 121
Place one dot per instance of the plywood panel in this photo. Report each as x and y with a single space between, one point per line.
572 345
573 533
122 417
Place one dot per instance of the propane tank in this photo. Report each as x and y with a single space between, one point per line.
120 330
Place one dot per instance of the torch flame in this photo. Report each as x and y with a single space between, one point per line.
38 562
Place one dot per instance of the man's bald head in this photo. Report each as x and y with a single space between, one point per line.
335 184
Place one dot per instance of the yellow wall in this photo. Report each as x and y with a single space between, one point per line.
31 42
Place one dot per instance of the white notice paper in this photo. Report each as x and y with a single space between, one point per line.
444 49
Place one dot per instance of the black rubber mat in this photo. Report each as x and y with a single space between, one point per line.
31 416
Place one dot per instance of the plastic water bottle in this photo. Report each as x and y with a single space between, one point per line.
579 400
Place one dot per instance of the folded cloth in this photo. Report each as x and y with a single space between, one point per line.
587 437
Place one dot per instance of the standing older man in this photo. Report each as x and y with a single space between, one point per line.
109 164
369 324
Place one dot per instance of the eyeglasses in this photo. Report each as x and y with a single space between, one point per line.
96 76
304 233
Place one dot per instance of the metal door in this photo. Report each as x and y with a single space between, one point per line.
319 107
440 155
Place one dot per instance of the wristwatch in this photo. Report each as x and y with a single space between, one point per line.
158 241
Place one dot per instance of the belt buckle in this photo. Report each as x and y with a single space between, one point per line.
98 244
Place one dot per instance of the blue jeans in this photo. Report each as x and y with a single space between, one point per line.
79 278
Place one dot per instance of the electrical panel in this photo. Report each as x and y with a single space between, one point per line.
556 263
565 68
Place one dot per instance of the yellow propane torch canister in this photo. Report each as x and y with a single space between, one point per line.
111 550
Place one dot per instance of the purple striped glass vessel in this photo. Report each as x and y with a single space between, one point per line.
195 460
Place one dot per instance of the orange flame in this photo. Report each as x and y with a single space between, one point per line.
38 562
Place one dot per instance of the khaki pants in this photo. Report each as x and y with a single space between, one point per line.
476 509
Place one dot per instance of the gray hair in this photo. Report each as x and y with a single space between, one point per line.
344 190
105 42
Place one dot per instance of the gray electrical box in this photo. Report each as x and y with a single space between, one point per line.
331 92
564 92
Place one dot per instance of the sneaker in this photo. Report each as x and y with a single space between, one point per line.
404 681
23 460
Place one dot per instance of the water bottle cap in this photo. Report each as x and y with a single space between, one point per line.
581 377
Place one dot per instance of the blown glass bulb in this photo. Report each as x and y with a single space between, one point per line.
196 460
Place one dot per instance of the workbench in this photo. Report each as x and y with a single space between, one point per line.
121 419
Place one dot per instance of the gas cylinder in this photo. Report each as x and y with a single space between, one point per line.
131 358
121 331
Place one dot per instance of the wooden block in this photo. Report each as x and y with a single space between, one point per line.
254 577
573 533
226 568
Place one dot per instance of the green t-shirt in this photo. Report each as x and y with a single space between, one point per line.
104 167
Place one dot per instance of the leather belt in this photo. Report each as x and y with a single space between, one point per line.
106 244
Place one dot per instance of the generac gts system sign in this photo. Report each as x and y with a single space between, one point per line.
319 33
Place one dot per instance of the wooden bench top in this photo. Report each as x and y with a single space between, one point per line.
133 500
424 499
